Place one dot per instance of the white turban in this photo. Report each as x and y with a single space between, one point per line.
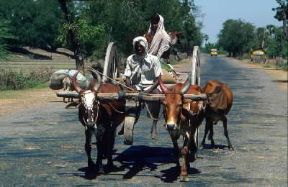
142 41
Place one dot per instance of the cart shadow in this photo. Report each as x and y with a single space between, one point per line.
143 161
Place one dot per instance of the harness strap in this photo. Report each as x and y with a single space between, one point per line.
117 82
115 109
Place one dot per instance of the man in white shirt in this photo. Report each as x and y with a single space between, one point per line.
142 70
142 73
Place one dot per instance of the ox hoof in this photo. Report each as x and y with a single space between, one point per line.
100 170
154 136
230 147
203 143
184 178
111 167
91 164
128 142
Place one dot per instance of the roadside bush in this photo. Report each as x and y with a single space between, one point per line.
282 63
11 80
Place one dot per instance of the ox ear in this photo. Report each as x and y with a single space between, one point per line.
163 88
75 84
186 85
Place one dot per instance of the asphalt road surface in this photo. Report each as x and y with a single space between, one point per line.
44 146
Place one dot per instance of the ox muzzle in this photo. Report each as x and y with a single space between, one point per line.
171 126
90 122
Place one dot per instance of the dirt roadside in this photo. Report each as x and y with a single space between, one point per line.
20 100
277 75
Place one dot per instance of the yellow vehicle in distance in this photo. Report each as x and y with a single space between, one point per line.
213 52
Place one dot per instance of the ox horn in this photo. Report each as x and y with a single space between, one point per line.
75 84
163 88
96 85
187 85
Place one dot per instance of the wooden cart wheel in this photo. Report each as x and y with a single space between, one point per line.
111 63
195 73
195 67
128 130
131 108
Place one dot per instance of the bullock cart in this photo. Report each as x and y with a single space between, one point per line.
111 73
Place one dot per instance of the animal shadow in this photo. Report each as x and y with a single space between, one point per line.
209 146
89 173
138 158
170 175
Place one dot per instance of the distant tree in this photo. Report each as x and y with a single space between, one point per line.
125 19
209 46
236 37
282 15
260 37
33 22
71 33
276 46
4 36
206 38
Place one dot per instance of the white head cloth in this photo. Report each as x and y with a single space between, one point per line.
142 41
161 40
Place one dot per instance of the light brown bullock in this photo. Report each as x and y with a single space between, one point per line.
100 118
220 100
183 116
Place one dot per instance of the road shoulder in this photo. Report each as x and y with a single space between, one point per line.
278 76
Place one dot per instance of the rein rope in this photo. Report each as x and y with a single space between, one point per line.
115 81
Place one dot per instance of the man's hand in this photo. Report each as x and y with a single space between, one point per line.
128 83
154 86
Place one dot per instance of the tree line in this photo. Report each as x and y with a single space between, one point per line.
238 37
87 26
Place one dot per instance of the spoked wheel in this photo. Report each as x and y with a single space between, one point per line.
128 130
131 108
195 69
195 73
111 64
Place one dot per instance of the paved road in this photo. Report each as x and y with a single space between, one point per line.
44 146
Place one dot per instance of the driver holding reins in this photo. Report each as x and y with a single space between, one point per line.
143 73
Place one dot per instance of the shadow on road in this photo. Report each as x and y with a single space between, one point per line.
147 160
209 146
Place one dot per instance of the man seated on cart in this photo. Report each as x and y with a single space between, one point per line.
142 73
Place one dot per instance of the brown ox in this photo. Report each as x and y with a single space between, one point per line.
183 116
220 99
100 118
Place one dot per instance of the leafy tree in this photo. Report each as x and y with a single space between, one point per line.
125 19
33 22
236 37
276 46
282 15
71 32
4 35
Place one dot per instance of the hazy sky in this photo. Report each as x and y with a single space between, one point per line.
216 12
